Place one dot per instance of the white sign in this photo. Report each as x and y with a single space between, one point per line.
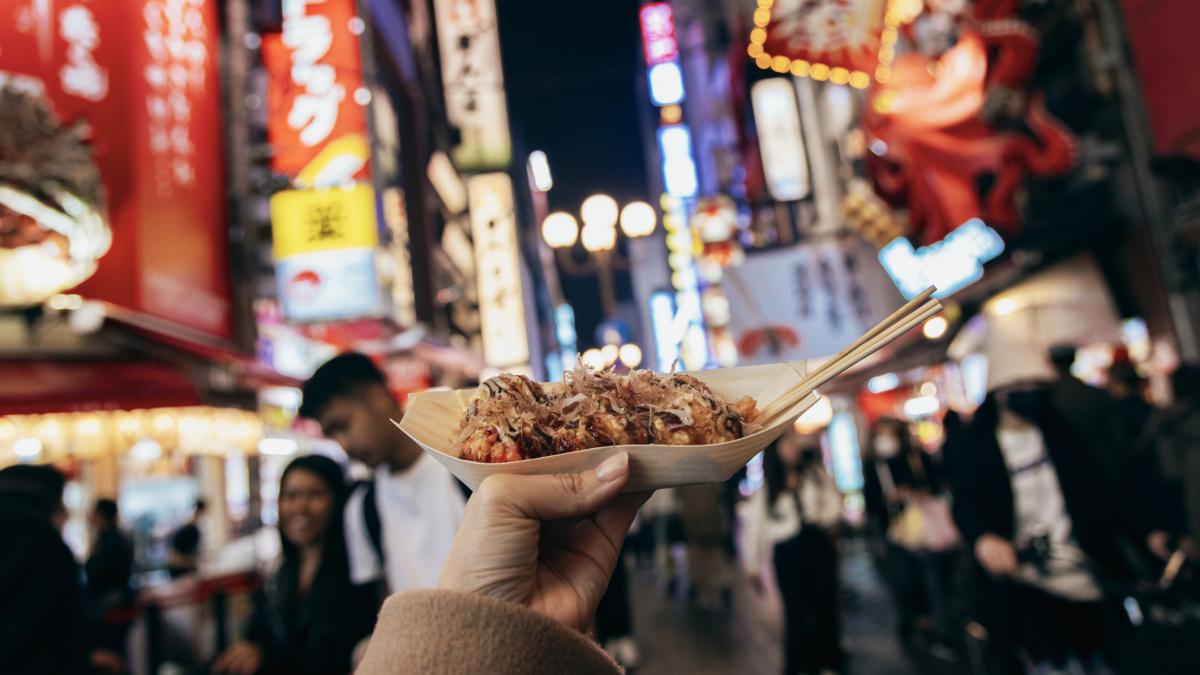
780 139
329 285
498 270
805 302
469 43
949 264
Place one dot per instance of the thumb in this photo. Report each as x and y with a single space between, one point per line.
558 496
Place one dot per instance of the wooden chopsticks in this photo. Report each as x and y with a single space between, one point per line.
911 315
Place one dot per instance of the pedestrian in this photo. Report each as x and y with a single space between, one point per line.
184 545
308 618
903 490
705 529
1092 413
1168 470
1042 518
400 525
42 625
1128 387
520 584
794 516
109 568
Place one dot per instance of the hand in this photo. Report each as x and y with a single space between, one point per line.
1159 543
996 555
548 542
243 658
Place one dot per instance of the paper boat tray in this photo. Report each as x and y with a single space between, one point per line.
432 421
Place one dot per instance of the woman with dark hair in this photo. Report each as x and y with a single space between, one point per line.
794 514
308 618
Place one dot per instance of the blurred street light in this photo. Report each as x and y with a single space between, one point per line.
630 355
638 219
599 209
560 230
597 238
600 214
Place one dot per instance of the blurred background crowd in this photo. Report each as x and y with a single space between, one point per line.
236 236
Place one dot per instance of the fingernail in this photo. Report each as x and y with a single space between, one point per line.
613 467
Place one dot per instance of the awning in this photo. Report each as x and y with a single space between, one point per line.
35 387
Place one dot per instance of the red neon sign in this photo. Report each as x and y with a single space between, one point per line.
658 33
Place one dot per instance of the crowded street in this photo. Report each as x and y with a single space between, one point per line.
518 337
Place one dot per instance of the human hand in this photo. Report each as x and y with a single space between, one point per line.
243 658
548 542
996 554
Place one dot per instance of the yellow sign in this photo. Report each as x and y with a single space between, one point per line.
310 221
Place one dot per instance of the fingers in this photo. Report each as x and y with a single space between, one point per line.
557 496
614 520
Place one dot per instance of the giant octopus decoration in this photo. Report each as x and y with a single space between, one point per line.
933 141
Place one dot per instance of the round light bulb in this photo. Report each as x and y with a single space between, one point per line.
597 237
560 230
599 210
630 355
935 327
593 359
638 219
609 353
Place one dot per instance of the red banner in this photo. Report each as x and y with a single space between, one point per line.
143 75
315 76
1167 55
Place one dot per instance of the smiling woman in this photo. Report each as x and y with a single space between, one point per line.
308 617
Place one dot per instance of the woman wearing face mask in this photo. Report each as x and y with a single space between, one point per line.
308 617
794 515
900 478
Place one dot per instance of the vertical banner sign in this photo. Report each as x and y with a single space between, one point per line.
316 126
469 42
324 244
779 138
143 76
498 268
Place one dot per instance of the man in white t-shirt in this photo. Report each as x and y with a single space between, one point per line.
401 525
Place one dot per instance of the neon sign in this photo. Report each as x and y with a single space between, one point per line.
950 264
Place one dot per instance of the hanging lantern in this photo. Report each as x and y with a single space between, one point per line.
51 228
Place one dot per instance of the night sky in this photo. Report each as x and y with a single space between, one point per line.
572 73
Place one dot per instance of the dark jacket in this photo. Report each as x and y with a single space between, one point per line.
313 634
1095 419
913 469
1099 509
110 564
42 627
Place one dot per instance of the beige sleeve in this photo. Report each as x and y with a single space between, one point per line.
433 631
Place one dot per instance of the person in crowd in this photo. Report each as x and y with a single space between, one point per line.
108 570
42 624
520 584
1128 387
400 526
794 515
1041 516
308 618
1170 448
902 487
1091 412
702 514
183 555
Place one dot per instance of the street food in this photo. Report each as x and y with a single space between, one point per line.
512 417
